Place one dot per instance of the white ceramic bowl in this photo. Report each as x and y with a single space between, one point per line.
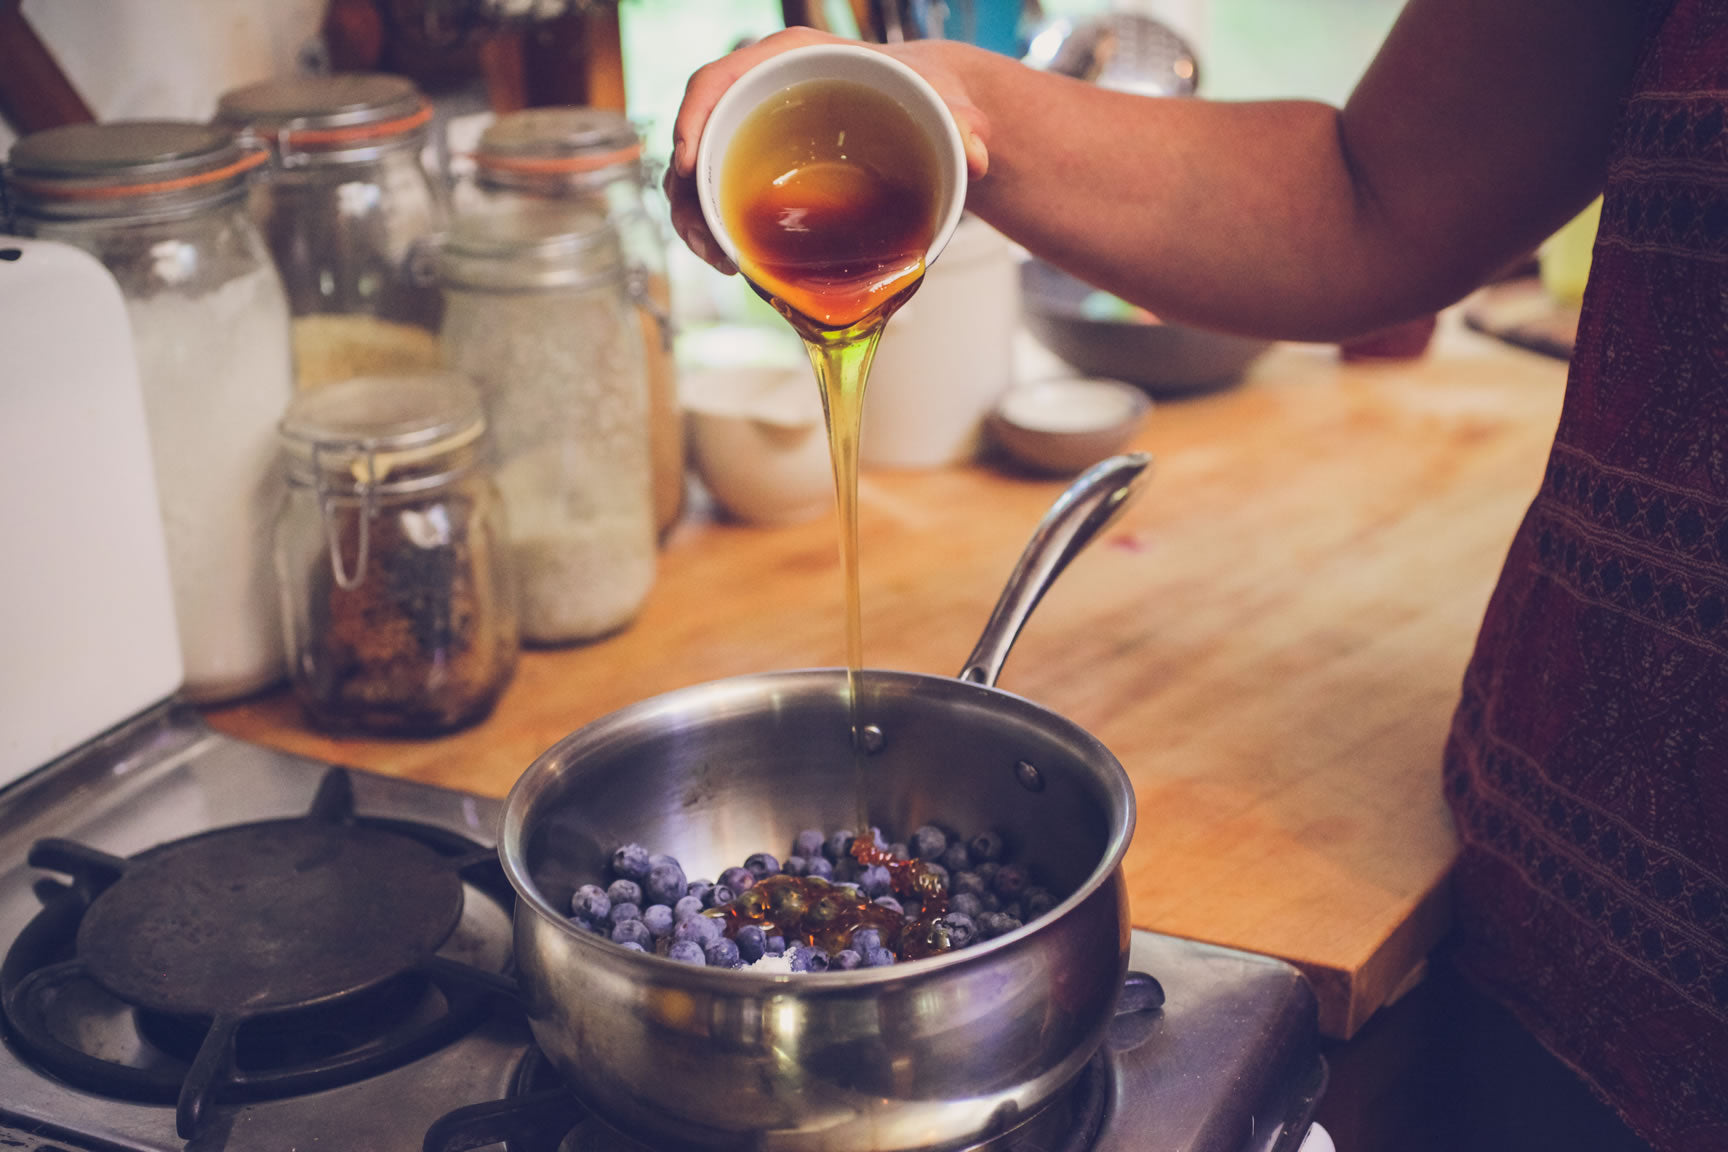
1064 425
769 79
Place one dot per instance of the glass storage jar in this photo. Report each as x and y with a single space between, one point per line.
348 209
537 315
593 157
162 205
398 601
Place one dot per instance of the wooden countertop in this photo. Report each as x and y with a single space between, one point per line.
1271 640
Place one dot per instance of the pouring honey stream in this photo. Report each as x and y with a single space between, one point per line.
830 194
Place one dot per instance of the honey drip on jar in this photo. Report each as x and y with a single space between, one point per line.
829 193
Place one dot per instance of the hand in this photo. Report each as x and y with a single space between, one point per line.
928 57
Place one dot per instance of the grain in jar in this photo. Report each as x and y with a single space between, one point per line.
537 314
592 157
349 212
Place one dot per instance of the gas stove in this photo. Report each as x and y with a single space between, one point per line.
283 1002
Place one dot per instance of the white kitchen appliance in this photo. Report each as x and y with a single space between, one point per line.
84 593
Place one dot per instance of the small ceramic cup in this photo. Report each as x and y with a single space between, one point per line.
773 76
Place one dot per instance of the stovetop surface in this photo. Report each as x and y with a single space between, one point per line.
1230 1064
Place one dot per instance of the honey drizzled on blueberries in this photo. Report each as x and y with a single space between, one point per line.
818 912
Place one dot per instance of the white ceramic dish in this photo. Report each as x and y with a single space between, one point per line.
1062 425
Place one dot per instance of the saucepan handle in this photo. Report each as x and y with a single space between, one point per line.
1090 505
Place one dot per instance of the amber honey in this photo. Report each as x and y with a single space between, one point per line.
830 193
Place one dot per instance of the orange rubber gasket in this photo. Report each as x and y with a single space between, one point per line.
55 190
296 137
557 165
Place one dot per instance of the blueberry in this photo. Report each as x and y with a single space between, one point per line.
994 924
966 903
819 866
985 846
929 842
845 960
624 911
761 865
937 876
632 946
838 847
697 929
846 870
900 852
959 929
878 958
626 931
721 953
687 952
865 940
659 919
1037 901
808 843
890 903
624 892
686 907
808 959
666 883
659 858
1010 881
794 866
752 943
955 857
630 863
718 897
776 945
737 879
698 888
875 881
968 883
590 903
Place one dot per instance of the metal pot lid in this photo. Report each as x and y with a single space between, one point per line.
381 423
122 167
565 140
340 113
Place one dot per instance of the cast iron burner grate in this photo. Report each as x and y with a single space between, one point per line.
254 961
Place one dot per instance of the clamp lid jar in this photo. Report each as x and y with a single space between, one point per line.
399 602
350 212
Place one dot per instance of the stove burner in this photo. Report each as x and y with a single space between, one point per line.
257 960
267 917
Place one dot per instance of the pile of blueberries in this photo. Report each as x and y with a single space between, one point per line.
649 905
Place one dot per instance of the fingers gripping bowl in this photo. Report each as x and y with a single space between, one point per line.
934 1053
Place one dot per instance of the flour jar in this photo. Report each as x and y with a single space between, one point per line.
349 210
593 157
162 205
398 601
536 312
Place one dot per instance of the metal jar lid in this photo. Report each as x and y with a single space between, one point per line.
530 246
342 118
127 168
535 143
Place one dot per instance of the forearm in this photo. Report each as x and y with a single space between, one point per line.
1482 125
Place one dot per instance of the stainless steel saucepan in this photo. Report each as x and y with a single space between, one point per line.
930 1054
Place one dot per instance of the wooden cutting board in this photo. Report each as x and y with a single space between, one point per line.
1271 641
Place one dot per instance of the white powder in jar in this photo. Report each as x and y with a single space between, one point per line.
217 373
567 399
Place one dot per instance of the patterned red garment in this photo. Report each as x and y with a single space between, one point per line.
1588 761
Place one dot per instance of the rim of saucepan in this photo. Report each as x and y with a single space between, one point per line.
512 840
826 61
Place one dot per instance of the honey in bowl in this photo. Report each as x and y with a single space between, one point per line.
831 194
